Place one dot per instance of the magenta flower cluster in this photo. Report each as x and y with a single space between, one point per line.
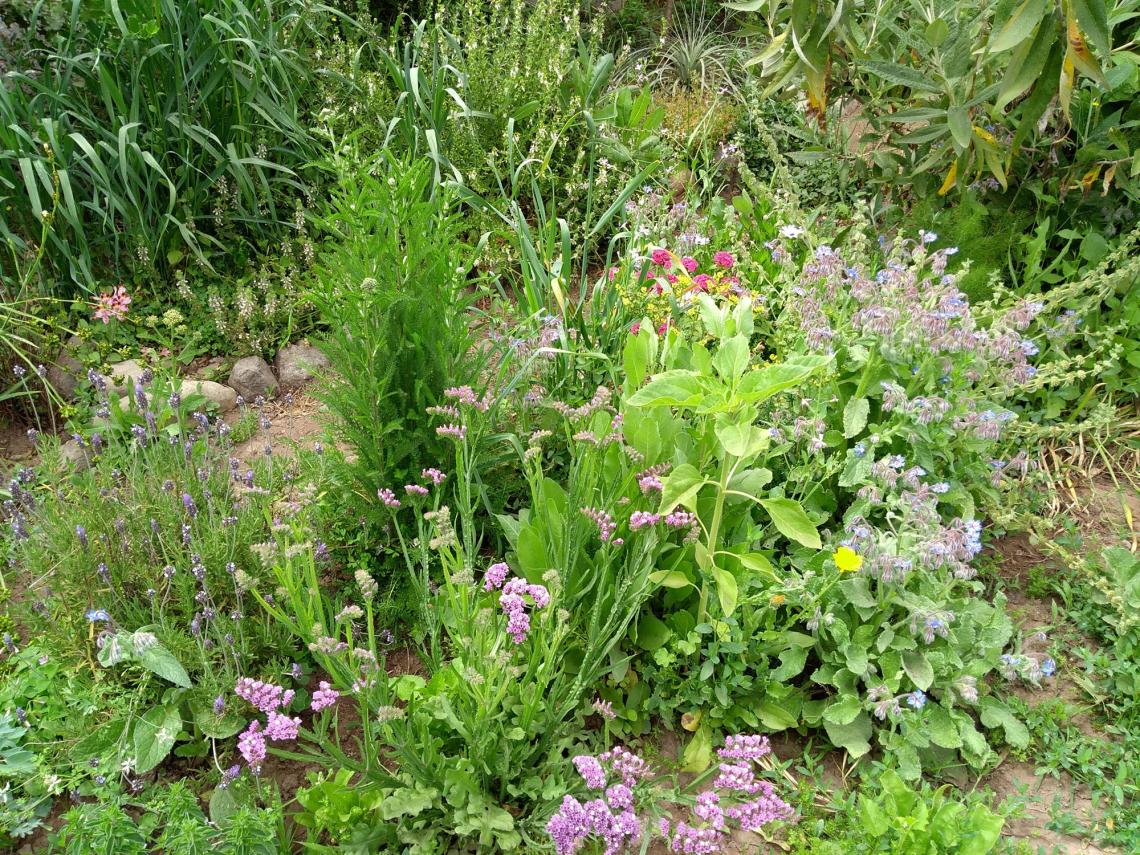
604 522
512 600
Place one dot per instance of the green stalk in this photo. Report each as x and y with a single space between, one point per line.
713 542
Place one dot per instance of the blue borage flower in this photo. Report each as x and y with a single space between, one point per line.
97 616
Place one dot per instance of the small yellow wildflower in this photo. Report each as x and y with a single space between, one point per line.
847 559
777 600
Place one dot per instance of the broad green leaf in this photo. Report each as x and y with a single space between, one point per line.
680 487
994 713
843 710
940 727
676 388
652 632
858 592
1025 66
670 579
157 659
531 552
985 827
699 751
918 668
855 416
751 481
154 736
223 805
854 737
218 726
731 359
775 717
1093 18
1020 25
792 522
763 383
856 659
757 561
636 360
792 661
740 439
726 589
961 128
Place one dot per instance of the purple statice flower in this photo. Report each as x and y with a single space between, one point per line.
252 746
540 595
626 765
281 728
605 523
495 575
643 519
455 431
590 768
387 497
415 490
434 475
649 481
518 621
569 827
756 813
745 747
324 697
265 697
604 708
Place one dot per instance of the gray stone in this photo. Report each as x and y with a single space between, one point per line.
66 372
223 396
77 456
123 376
297 364
251 377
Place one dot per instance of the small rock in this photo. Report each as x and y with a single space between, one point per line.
78 456
251 377
297 363
123 376
64 375
223 396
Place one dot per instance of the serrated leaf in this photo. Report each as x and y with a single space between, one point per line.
940 727
154 735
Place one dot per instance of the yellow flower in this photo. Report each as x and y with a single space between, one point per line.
847 559
777 600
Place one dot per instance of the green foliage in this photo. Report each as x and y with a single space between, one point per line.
900 820
157 131
395 294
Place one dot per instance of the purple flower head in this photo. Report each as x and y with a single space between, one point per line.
324 697
252 746
280 727
387 497
495 575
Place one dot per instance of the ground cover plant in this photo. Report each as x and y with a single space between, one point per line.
568 427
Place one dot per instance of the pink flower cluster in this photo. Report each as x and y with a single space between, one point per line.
433 475
387 497
265 697
737 794
269 699
605 523
113 305
610 818
512 601
649 481
324 697
643 519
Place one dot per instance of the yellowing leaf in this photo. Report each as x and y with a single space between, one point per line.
950 180
847 559
1089 177
985 135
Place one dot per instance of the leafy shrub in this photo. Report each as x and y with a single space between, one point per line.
394 293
